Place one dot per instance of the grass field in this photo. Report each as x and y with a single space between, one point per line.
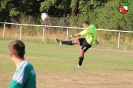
56 66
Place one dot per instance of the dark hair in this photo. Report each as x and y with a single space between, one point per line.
17 47
86 22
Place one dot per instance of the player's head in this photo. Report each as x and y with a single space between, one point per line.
85 24
17 49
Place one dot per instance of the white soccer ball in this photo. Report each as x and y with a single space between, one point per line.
44 16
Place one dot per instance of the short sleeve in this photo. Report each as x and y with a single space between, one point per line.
84 32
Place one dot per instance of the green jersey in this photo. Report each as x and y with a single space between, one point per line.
91 33
24 76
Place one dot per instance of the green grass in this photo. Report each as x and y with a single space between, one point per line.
56 66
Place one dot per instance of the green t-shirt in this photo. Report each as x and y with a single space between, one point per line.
91 33
24 77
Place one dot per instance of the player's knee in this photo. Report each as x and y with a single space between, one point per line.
76 41
82 52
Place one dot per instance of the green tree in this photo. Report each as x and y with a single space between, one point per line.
16 8
107 18
4 11
56 7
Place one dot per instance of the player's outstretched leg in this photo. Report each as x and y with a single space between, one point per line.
70 42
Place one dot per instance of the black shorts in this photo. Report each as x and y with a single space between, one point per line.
84 45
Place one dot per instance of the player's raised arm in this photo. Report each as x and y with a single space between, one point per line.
77 35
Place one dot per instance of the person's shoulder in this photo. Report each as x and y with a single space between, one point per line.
92 25
29 66
30 69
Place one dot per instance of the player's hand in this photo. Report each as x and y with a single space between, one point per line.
72 35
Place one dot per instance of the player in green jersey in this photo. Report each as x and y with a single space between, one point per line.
25 76
85 43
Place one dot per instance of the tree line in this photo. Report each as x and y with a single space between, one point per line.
99 12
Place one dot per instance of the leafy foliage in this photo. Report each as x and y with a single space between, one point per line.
99 12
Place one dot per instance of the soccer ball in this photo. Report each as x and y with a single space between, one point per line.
44 16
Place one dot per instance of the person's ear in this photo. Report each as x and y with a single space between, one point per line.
11 55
